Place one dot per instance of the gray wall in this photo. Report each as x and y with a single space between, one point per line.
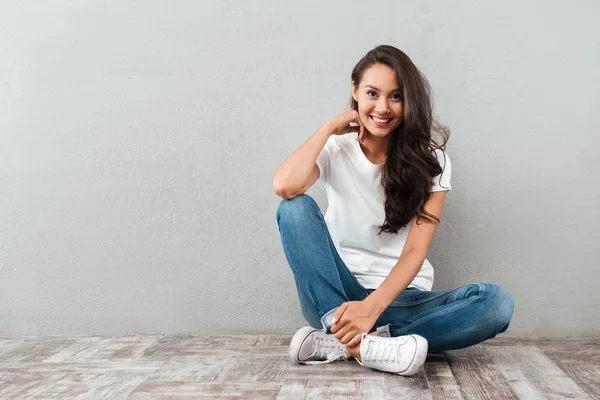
139 138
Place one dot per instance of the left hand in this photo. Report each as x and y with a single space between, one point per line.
352 319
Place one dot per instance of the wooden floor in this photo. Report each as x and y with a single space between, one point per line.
256 367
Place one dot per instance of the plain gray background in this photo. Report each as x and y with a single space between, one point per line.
139 139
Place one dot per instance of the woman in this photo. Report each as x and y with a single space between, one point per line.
361 272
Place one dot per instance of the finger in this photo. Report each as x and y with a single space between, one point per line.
337 315
342 332
336 325
339 333
355 341
347 338
333 328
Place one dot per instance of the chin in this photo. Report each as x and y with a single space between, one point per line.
380 132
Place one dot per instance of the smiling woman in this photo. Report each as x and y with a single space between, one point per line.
361 271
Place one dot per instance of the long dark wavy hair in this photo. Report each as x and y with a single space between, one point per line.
407 174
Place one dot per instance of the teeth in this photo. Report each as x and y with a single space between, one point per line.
380 120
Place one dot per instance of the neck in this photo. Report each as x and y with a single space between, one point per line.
376 148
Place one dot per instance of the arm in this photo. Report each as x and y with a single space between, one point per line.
412 257
299 171
354 318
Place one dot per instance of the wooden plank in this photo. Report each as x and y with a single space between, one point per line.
182 346
104 367
578 358
75 351
407 387
586 376
504 340
293 389
193 369
229 390
442 384
33 349
332 389
55 385
572 351
533 375
93 386
256 368
477 375
273 341
517 379
7 344
340 370
16 382
116 348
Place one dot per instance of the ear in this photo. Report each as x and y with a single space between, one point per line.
354 92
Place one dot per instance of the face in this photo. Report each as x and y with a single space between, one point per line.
379 101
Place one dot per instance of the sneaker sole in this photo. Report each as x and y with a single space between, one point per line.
419 357
297 341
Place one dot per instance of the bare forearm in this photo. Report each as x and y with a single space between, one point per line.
292 175
397 281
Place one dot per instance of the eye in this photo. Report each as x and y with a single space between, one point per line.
369 93
396 96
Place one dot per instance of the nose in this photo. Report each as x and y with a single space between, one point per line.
382 105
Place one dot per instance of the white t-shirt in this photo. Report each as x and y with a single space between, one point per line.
356 209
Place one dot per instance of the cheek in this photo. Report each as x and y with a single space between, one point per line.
365 106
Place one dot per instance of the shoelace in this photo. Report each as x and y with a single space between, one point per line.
382 349
328 348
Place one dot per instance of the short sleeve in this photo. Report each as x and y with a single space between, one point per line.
441 182
325 157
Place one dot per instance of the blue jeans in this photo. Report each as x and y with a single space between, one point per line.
449 319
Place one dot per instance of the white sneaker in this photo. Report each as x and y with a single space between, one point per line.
402 355
312 346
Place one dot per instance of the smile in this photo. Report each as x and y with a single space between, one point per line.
380 121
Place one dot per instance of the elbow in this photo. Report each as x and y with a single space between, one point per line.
282 193
285 194
281 190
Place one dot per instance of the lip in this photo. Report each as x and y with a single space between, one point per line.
377 116
381 124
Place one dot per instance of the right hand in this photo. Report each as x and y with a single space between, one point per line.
340 125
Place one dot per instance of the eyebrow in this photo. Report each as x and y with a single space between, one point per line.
373 87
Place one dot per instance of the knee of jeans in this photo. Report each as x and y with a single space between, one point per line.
294 209
502 304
